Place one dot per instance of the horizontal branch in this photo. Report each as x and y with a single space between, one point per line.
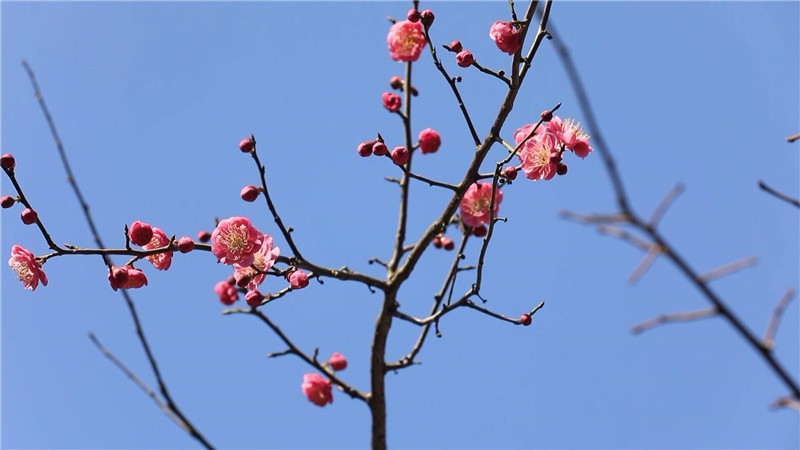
686 316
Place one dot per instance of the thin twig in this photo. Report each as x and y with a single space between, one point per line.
786 402
793 137
647 261
685 316
729 268
662 207
779 195
772 328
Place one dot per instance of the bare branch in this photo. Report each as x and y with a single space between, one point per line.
728 268
786 402
772 328
686 316
594 218
793 137
647 261
779 195
625 236
662 207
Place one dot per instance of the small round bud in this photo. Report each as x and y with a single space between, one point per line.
29 216
337 361
379 148
253 298
243 281
297 279
455 46
429 140
203 236
437 241
399 155
119 276
185 244
561 169
510 172
246 145
547 116
140 233
412 15
525 319
396 82
448 244
249 193
7 161
365 148
391 101
464 58
479 231
7 201
426 17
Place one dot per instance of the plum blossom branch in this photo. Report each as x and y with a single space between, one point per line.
669 252
171 405
779 195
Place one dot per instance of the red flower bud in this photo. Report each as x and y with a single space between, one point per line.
479 231
203 236
29 216
525 319
7 201
7 161
429 140
246 145
337 361
412 15
379 148
464 58
455 46
561 169
140 233
253 298
297 279
249 193
399 155
547 115
426 17
447 243
185 244
396 82
365 148
437 241
510 172
391 101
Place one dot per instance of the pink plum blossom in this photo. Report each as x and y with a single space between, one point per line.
235 241
405 40
226 292
505 37
26 267
475 204
263 259
140 233
126 277
317 389
539 157
297 279
161 261
391 101
337 361
429 140
570 134
464 58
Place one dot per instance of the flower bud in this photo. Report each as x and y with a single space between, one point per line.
448 244
412 15
391 101
226 293
253 298
547 116
246 145
426 17
140 233
119 276
510 172
429 140
7 201
561 169
297 279
7 161
249 193
185 244
365 148
399 155
455 46
464 58
396 82
28 216
379 148
203 236
337 361
437 241
479 231
525 319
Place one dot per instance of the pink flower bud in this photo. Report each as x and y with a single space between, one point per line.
337 361
7 161
226 292
455 46
185 244
246 145
525 319
426 17
396 82
391 101
203 236
28 216
249 193
479 231
7 201
464 58
136 278
547 116
365 148
561 169
437 241
399 155
412 15
379 148
317 389
140 233
118 277
126 277
510 172
297 279
253 298
505 37
448 244
429 140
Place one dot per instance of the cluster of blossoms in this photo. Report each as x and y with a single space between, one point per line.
505 36
540 154
318 389
428 142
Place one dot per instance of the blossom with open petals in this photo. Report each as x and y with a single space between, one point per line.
317 389
160 261
235 241
263 259
405 40
26 267
539 157
570 133
475 204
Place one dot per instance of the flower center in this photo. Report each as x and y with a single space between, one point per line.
23 273
235 239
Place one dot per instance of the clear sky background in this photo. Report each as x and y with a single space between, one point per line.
151 100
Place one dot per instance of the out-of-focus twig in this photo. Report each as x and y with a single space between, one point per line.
647 261
662 207
786 402
772 327
685 316
793 137
729 268
779 195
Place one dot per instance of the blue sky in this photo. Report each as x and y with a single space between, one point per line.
150 100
